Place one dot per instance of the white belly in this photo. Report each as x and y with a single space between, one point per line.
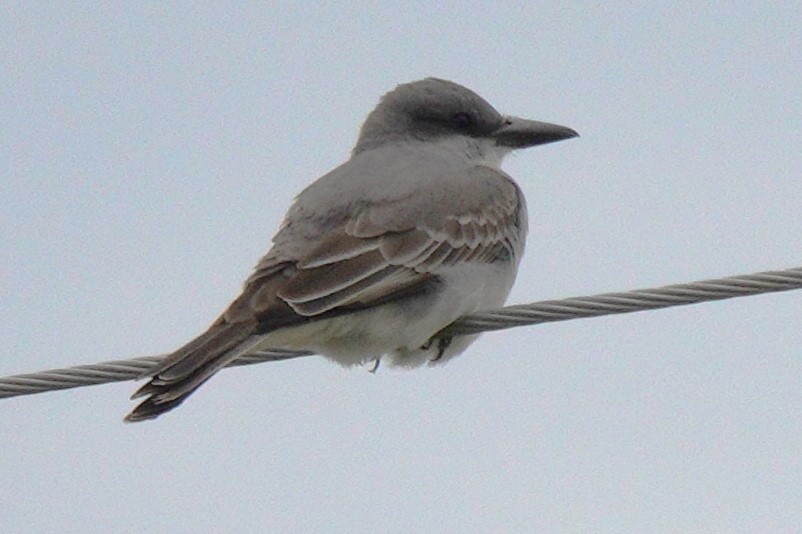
396 331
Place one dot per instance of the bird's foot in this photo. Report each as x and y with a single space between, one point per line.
375 367
442 344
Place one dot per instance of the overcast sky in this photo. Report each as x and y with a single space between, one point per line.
150 149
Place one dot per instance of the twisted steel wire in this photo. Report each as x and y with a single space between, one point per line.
511 316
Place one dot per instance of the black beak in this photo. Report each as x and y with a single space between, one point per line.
522 133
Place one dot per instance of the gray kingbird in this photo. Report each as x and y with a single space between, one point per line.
418 228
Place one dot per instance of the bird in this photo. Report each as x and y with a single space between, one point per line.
373 259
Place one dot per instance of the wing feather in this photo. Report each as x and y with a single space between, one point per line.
320 282
358 266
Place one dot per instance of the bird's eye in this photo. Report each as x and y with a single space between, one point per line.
461 120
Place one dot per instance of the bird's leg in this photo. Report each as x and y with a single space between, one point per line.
442 344
376 363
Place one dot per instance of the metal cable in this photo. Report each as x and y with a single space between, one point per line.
511 316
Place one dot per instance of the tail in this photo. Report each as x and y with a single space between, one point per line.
185 370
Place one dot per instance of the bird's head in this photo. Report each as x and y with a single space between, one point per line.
433 109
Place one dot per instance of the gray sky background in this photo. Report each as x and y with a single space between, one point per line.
150 150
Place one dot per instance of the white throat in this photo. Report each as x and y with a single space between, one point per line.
482 151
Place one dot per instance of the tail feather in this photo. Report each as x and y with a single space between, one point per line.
150 409
184 363
189 367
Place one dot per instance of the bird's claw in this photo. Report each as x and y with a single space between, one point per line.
442 344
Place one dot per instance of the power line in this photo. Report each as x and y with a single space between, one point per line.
509 317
